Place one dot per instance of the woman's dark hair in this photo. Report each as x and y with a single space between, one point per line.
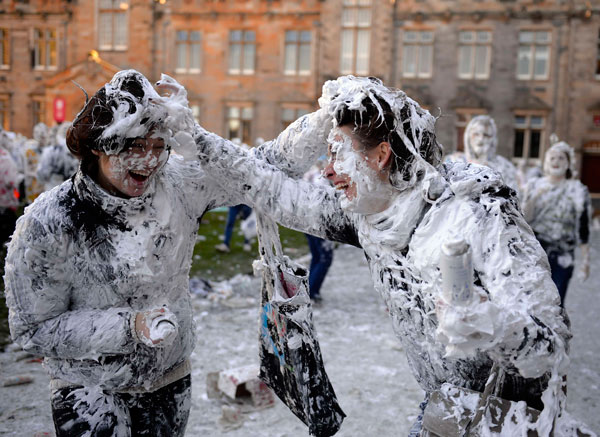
85 133
569 173
373 127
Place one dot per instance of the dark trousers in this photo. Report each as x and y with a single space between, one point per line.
8 220
322 257
560 275
79 411
232 214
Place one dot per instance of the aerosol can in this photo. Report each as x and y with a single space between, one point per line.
457 271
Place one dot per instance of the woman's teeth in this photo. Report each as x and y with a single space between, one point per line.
138 176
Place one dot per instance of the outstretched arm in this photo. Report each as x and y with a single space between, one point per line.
38 297
294 203
293 151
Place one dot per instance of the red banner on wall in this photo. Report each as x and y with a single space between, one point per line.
60 107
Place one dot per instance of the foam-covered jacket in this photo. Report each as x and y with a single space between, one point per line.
9 180
561 213
402 246
82 263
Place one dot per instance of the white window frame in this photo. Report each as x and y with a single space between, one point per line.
243 113
529 125
297 47
473 41
246 46
190 47
38 110
196 108
118 17
533 50
418 40
45 42
355 38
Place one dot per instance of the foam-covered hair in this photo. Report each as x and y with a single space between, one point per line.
125 108
417 148
486 121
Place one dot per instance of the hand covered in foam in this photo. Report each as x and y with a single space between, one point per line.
180 119
466 328
156 327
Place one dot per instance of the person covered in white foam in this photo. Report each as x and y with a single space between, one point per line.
559 210
394 198
97 272
481 142
56 163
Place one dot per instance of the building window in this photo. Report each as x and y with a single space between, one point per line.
297 52
474 53
4 112
534 55
4 49
239 119
417 53
529 132
44 49
598 57
189 51
463 117
38 110
292 113
356 37
112 24
195 107
242 51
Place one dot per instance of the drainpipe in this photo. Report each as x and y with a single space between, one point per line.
394 44
154 41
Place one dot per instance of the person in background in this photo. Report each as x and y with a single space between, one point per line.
233 212
33 151
56 164
558 208
481 141
10 179
321 250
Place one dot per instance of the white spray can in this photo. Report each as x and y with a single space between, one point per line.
457 271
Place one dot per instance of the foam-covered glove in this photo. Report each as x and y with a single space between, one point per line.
466 328
156 327
180 118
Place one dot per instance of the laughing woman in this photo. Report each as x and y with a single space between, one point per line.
97 270
396 200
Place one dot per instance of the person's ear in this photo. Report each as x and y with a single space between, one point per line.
384 154
96 152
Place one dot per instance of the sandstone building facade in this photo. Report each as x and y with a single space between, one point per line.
252 66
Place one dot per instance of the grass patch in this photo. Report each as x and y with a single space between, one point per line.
216 266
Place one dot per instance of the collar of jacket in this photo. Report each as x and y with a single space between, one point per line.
87 189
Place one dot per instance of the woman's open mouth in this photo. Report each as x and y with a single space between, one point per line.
139 176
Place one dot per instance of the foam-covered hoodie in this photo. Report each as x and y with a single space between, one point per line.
402 246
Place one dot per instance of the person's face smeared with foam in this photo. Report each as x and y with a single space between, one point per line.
128 173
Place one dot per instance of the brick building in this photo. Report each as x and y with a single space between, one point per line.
252 66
